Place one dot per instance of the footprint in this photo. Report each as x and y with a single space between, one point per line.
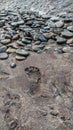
12 105
34 79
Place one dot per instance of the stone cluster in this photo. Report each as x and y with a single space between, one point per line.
25 32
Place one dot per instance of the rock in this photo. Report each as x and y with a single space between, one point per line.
60 51
22 52
67 49
54 18
26 41
59 24
20 43
70 41
5 41
70 28
3 56
10 50
18 57
37 48
67 34
2 23
2 49
15 24
13 65
42 38
51 24
60 40
15 37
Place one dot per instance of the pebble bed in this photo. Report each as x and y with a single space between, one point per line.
25 32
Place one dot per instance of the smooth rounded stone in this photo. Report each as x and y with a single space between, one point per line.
59 24
18 57
51 41
42 38
37 43
3 56
22 52
2 49
55 18
11 50
37 48
67 49
13 65
70 41
60 51
2 23
46 16
15 24
8 36
26 41
28 47
20 43
51 24
5 41
68 20
70 28
60 40
62 14
15 37
67 34
13 45
11 31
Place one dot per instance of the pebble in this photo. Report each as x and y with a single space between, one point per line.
37 48
70 28
13 65
2 23
67 34
51 24
15 24
22 52
11 50
67 49
55 18
3 56
15 37
60 51
18 57
5 41
59 24
42 38
60 40
2 49
26 41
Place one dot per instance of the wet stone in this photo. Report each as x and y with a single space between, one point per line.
3 56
